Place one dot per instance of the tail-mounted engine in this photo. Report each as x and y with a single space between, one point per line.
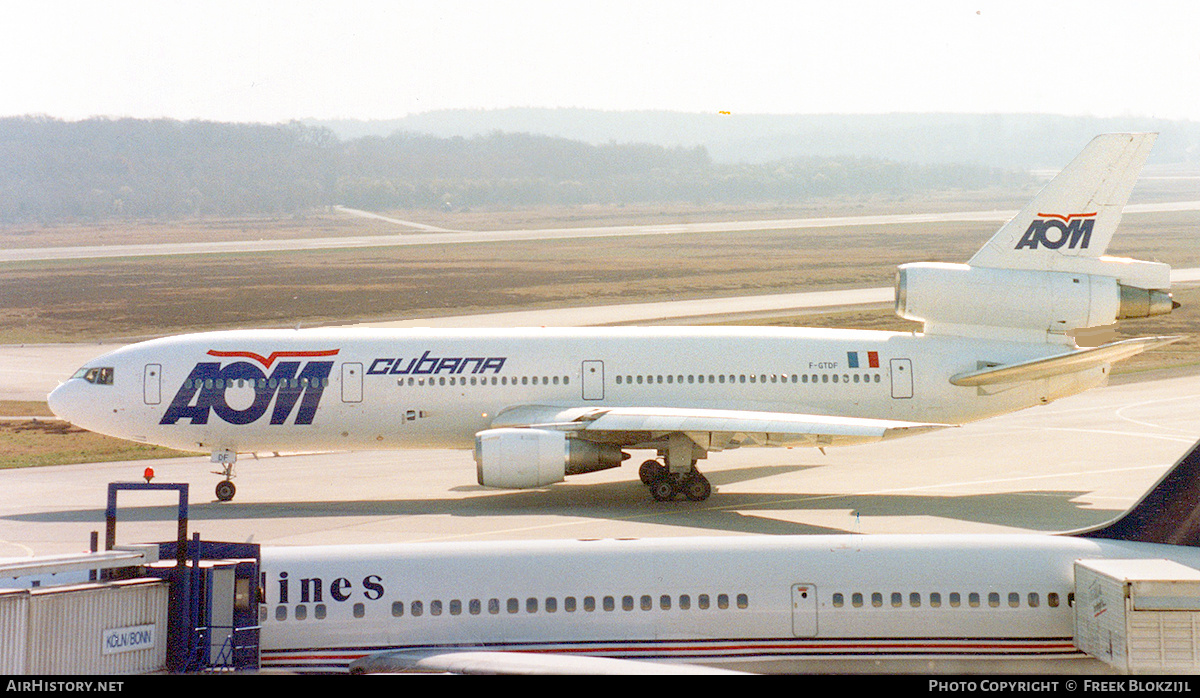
965 300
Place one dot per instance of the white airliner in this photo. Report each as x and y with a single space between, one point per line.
751 603
540 404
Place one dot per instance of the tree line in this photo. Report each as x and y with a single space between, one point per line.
103 169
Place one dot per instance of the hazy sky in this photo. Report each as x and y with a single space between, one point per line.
276 61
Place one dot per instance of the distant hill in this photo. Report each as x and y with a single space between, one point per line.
114 169
1019 141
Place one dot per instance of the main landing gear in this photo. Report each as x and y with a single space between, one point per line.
665 485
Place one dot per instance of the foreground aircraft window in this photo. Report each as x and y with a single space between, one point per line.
531 605
493 606
627 603
914 600
722 601
301 612
417 608
589 603
397 609
455 607
993 599
935 599
955 599
856 599
281 613
1052 600
702 601
876 599
685 602
838 601
1014 599
435 608
513 606
360 610
319 611
647 603
897 599
569 604
743 601
609 603
664 602
551 604
973 599
474 607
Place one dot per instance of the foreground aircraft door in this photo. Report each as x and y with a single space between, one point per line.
804 610
902 381
593 380
152 384
352 385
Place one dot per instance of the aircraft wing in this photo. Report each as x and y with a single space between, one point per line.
465 661
712 429
1070 362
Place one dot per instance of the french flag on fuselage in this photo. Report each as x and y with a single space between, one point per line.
872 358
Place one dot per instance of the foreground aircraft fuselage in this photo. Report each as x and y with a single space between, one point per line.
1000 603
760 603
540 404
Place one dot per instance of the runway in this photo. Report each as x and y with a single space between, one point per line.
1071 464
460 237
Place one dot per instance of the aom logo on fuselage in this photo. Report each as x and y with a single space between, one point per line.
204 391
1053 231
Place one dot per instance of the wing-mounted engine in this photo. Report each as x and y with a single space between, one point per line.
1044 274
524 458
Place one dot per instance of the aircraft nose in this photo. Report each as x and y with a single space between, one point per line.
60 401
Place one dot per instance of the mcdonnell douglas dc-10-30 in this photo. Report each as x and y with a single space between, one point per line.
542 403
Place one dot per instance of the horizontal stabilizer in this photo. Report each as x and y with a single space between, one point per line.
1070 362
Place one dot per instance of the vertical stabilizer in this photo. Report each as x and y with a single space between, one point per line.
1168 513
1075 215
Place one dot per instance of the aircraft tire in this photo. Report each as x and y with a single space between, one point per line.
225 490
651 471
697 488
663 489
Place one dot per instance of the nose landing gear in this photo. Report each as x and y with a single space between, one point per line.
225 488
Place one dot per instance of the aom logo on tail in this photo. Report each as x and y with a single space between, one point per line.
205 389
1053 231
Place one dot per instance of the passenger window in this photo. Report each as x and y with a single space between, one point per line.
743 601
914 600
994 599
722 601
685 602
973 599
955 599
1034 601
935 599
876 599
856 600
627 603
435 608
1014 599
569 604
551 604
360 610
702 601
838 601
397 609
664 602
417 608
1052 600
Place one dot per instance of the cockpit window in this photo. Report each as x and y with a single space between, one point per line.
96 375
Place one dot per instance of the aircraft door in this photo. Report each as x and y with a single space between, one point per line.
902 380
804 610
152 384
593 380
352 382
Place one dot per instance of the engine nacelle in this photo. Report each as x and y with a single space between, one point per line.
523 458
956 298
